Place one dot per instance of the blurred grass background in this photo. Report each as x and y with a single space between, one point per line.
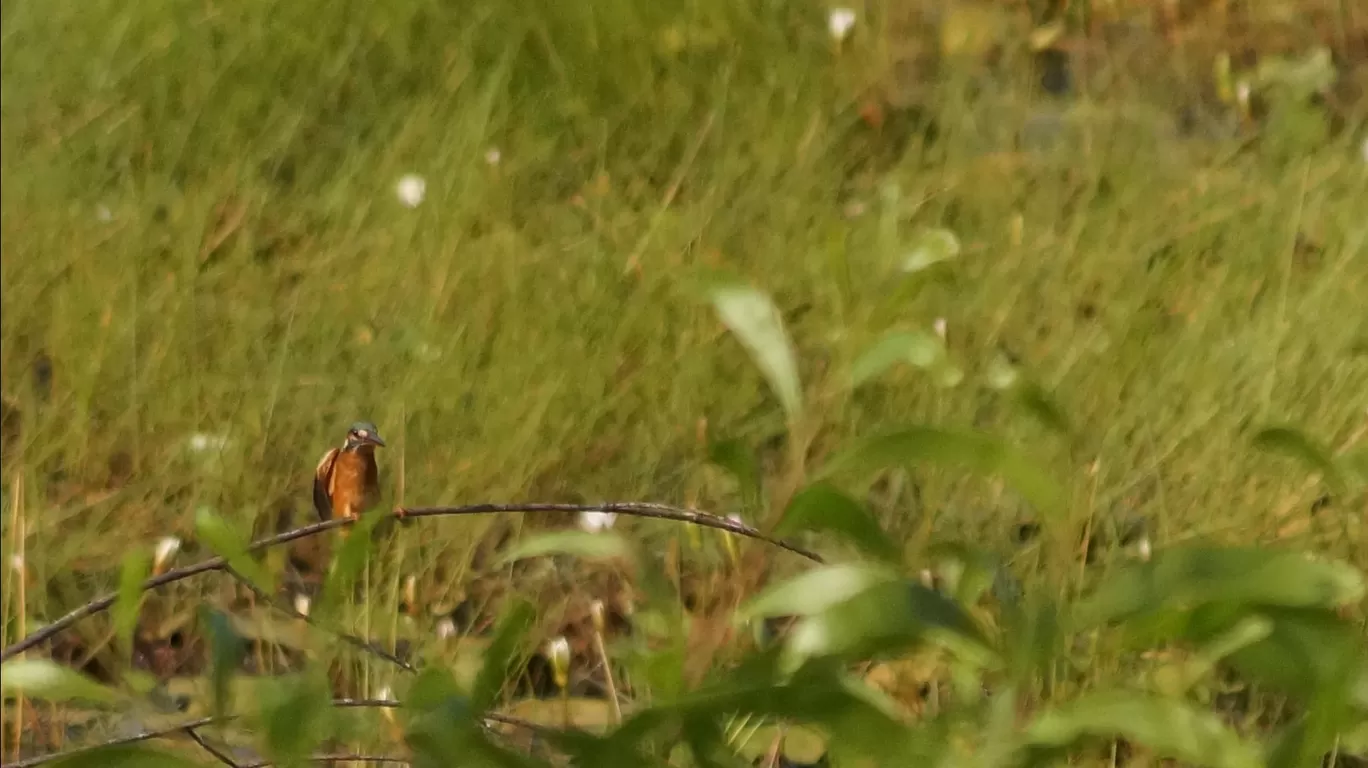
207 275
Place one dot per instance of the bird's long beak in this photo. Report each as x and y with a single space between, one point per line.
374 439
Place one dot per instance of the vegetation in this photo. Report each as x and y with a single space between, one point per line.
1015 353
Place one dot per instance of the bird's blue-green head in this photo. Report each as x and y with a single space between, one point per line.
363 433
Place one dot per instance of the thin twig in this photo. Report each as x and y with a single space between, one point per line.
289 610
218 754
190 727
342 758
632 508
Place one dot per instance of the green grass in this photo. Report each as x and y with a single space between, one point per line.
538 329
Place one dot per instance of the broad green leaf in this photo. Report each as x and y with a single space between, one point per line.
1005 376
1300 78
930 247
1192 576
1032 636
919 349
738 459
961 448
226 651
826 700
47 680
296 713
888 616
1040 404
1169 727
125 756
136 565
756 322
597 545
966 572
231 545
822 507
1294 443
502 653
440 723
1304 652
350 558
816 590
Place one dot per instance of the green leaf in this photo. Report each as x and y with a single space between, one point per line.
226 651
738 459
1192 576
1302 653
136 565
503 652
1169 727
50 681
929 248
886 617
822 507
823 698
752 316
919 349
598 545
296 713
966 572
1040 404
1005 376
961 448
125 756
816 590
350 559
231 545
442 723
1294 443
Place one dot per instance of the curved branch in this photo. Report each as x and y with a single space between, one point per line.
191 728
631 508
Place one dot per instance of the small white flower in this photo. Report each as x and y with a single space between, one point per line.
446 628
167 547
939 325
493 156
596 520
302 604
558 651
203 442
411 190
840 22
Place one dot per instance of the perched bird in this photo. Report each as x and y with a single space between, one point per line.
347 480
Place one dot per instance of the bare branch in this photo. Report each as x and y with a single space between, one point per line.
633 508
191 728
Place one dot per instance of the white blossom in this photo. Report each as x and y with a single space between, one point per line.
167 547
411 190
596 520
446 628
840 22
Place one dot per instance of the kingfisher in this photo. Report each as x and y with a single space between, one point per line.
347 480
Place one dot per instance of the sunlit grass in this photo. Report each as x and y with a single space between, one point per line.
212 244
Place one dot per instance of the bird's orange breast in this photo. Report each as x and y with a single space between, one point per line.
352 485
